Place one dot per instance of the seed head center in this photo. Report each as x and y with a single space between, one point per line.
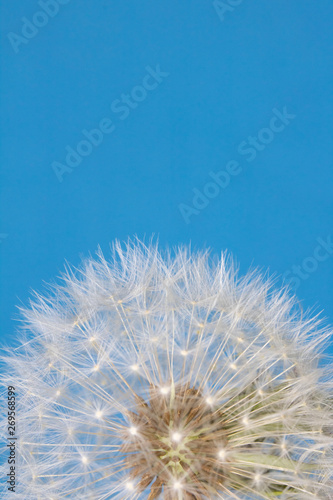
177 440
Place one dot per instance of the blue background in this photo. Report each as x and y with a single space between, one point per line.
225 78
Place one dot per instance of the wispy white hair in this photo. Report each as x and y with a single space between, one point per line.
120 348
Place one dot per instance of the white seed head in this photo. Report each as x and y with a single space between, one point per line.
169 377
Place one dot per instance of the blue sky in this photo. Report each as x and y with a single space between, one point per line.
184 96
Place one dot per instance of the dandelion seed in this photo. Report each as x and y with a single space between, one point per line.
177 485
245 421
130 486
176 437
257 478
222 454
183 381
210 400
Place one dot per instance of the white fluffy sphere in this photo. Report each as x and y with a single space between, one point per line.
167 376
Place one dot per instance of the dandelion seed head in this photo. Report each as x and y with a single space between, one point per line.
168 377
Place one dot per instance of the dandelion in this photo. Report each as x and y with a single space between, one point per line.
166 376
